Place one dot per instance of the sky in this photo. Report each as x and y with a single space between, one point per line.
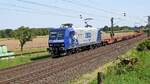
53 13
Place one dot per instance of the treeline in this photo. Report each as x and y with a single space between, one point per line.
39 31
8 33
122 28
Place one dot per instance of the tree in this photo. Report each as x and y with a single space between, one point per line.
40 31
23 34
106 28
8 33
2 34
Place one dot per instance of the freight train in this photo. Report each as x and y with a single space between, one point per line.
68 39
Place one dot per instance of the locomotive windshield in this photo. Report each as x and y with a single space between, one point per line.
56 35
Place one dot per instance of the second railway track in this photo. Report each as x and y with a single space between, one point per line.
56 71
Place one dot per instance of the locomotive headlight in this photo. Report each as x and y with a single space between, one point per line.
50 48
62 44
50 45
62 48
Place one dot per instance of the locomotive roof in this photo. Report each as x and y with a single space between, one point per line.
75 28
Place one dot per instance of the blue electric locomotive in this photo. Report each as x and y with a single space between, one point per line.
67 39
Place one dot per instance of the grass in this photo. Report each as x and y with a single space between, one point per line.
30 51
13 62
138 74
27 57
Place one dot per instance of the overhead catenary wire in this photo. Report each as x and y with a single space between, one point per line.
17 10
29 10
38 11
55 7
99 9
60 8
32 10
91 7
66 15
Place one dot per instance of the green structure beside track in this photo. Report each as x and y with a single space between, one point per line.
4 51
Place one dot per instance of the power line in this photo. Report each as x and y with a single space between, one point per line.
91 7
26 10
51 6
32 10
13 5
38 13
17 10
41 12
56 7
98 9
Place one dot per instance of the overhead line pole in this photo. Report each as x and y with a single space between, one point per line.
112 27
148 34
148 20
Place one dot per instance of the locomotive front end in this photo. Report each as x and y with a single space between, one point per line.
56 41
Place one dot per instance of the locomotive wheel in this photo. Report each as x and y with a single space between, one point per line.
77 50
68 52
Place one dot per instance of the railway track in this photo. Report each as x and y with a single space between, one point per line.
18 70
51 71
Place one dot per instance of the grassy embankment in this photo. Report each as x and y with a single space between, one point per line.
135 71
28 55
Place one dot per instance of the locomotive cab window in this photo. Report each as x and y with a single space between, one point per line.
56 35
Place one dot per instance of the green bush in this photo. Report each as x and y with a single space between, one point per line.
40 57
141 47
145 45
134 72
134 69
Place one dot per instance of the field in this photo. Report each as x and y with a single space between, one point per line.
39 42
42 42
